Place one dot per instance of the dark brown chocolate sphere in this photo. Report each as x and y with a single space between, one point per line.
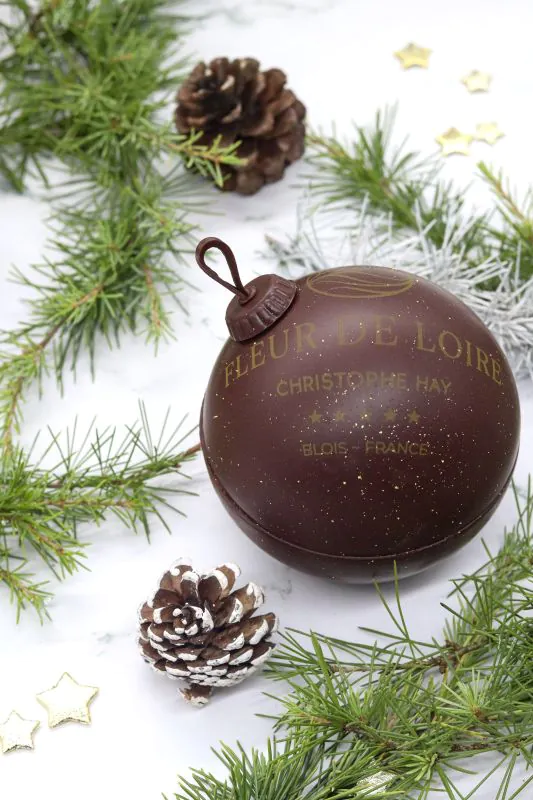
365 417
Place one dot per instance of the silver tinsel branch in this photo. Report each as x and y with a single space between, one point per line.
330 237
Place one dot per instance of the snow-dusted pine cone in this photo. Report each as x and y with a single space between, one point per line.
196 629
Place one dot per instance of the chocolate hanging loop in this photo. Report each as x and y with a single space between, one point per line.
257 306
237 287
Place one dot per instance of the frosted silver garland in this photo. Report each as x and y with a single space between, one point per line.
331 237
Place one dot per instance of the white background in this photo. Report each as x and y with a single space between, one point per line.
338 55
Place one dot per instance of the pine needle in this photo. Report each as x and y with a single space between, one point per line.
407 192
130 476
85 85
403 718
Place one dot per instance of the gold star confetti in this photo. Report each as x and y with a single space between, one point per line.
477 81
414 416
315 416
16 733
413 56
67 701
488 132
453 141
339 416
390 415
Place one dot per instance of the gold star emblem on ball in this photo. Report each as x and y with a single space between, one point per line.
414 416
477 81
67 701
315 417
453 141
488 132
413 56
16 733
390 414
339 416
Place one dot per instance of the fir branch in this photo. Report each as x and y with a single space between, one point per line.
395 182
86 83
467 634
79 81
400 719
108 274
298 768
514 238
73 483
408 193
417 706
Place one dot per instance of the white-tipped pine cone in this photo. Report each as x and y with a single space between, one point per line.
196 629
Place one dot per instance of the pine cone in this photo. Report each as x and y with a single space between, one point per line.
235 101
194 629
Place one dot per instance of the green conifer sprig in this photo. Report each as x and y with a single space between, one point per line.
409 193
79 480
109 272
84 109
86 85
399 717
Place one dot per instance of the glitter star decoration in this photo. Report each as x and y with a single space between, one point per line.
477 81
16 733
453 141
488 132
315 416
413 56
67 701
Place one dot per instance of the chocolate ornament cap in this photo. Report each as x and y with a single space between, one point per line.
373 419
256 306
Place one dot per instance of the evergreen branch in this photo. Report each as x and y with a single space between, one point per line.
514 237
108 274
417 705
407 192
298 768
502 192
42 505
86 83
23 591
468 635
79 81
395 182
397 720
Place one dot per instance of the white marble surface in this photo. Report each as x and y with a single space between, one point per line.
338 54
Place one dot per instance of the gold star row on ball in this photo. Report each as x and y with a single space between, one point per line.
67 701
390 415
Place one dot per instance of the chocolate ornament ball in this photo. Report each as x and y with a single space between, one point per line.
355 418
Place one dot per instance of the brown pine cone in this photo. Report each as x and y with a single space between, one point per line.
235 101
197 629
